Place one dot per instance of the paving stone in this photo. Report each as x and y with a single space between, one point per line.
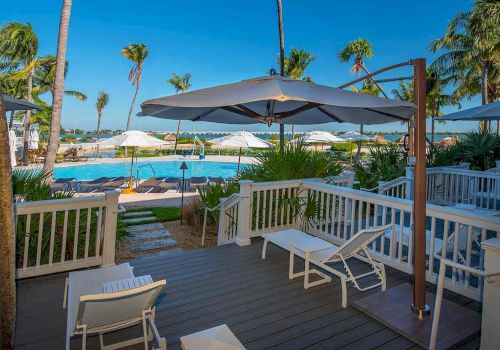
148 245
131 221
136 213
146 227
154 234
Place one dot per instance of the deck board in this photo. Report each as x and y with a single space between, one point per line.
232 285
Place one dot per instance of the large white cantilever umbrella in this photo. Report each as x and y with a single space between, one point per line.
134 139
241 139
315 137
277 99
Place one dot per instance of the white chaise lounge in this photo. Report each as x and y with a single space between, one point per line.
321 253
108 299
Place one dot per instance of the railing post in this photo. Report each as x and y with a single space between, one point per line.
244 213
111 218
222 222
490 337
409 182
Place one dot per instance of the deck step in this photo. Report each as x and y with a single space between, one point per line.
145 227
153 244
137 213
153 234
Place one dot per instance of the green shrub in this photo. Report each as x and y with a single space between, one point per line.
480 148
344 146
384 163
294 162
33 185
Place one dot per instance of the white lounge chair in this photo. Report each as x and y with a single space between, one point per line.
91 310
321 253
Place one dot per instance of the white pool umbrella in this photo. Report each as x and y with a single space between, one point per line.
12 145
241 139
33 140
319 137
354 136
134 139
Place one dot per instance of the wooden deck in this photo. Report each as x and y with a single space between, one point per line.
232 285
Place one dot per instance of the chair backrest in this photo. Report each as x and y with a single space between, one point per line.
359 241
107 309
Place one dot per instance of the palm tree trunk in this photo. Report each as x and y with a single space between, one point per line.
282 62
484 91
27 121
55 123
132 105
98 131
361 127
177 136
7 241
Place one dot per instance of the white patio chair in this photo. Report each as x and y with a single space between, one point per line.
92 311
321 253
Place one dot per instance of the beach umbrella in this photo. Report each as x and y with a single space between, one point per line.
241 139
354 136
134 139
319 137
33 140
13 147
490 111
277 99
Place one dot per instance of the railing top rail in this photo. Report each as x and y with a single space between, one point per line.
228 201
400 180
448 213
60 204
461 171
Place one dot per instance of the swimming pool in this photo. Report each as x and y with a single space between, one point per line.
161 168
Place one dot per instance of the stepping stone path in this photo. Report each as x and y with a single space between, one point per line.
138 213
149 236
132 220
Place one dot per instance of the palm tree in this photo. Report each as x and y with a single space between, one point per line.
360 49
102 102
471 50
55 122
297 62
7 241
295 66
180 84
137 53
19 48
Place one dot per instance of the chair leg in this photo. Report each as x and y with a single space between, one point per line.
65 299
264 248
145 331
343 282
84 338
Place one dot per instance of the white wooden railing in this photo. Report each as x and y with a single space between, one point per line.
448 185
452 233
398 188
65 234
228 219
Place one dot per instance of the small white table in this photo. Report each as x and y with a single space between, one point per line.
217 338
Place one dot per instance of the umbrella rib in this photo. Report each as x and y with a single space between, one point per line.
238 111
248 110
387 114
204 114
303 108
322 110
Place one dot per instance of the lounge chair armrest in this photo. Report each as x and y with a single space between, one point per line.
293 246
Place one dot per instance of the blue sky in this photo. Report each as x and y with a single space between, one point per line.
221 42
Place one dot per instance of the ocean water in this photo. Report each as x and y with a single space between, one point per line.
147 169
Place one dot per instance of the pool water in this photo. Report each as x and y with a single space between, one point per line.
161 168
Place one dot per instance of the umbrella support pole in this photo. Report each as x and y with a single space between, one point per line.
130 189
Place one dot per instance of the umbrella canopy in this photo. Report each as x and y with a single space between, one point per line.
354 136
277 99
33 139
241 139
489 111
319 137
12 145
133 138
14 104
